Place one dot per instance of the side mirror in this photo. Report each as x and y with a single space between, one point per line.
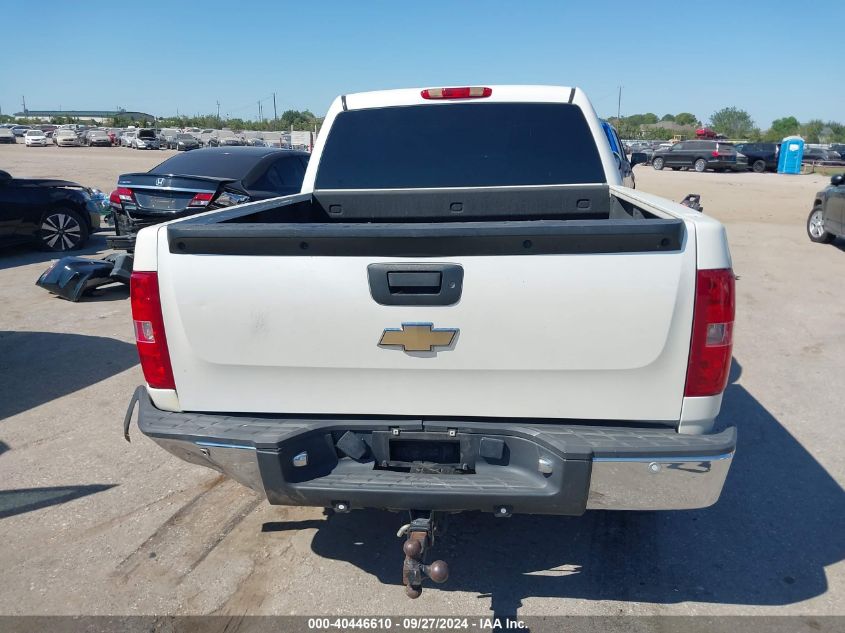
838 180
638 158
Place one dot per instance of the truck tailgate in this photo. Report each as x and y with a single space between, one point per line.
576 335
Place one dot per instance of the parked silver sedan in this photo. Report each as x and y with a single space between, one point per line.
65 137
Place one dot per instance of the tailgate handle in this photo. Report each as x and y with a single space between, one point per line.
415 284
421 283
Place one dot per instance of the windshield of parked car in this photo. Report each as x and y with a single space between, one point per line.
34 133
97 133
184 137
460 145
66 133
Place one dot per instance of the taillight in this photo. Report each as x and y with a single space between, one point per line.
712 333
201 200
121 194
149 330
715 153
476 92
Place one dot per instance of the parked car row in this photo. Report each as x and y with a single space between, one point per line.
160 138
703 155
61 136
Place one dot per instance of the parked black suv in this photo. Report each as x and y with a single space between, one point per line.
699 155
761 156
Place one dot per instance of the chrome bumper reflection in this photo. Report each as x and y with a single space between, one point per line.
239 463
657 483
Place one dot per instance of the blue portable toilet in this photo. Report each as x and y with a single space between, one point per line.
791 153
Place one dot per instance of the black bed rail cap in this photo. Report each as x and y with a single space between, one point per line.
542 237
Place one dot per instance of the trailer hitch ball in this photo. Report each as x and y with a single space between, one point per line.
412 549
438 571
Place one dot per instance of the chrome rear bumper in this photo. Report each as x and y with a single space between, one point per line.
658 483
524 466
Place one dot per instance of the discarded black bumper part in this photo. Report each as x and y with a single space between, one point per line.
71 277
503 467
121 242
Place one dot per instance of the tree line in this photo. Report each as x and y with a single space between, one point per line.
733 122
288 120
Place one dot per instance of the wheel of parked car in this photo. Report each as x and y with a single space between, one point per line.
815 227
700 165
62 230
657 163
759 166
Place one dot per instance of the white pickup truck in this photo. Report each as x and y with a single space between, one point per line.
464 309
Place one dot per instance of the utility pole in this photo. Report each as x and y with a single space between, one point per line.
619 106
23 102
218 110
275 116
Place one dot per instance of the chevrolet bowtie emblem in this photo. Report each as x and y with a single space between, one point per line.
418 337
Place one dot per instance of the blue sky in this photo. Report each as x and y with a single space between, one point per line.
157 56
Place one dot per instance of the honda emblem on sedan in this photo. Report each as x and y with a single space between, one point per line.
159 182
418 337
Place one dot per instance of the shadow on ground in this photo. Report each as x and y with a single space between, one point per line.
766 542
38 367
14 502
25 254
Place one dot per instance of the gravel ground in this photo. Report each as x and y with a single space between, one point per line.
128 529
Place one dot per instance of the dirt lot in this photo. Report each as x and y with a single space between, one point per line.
92 525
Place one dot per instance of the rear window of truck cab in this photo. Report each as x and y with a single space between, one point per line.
459 145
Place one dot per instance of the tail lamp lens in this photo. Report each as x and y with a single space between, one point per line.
712 333
200 200
120 195
149 330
